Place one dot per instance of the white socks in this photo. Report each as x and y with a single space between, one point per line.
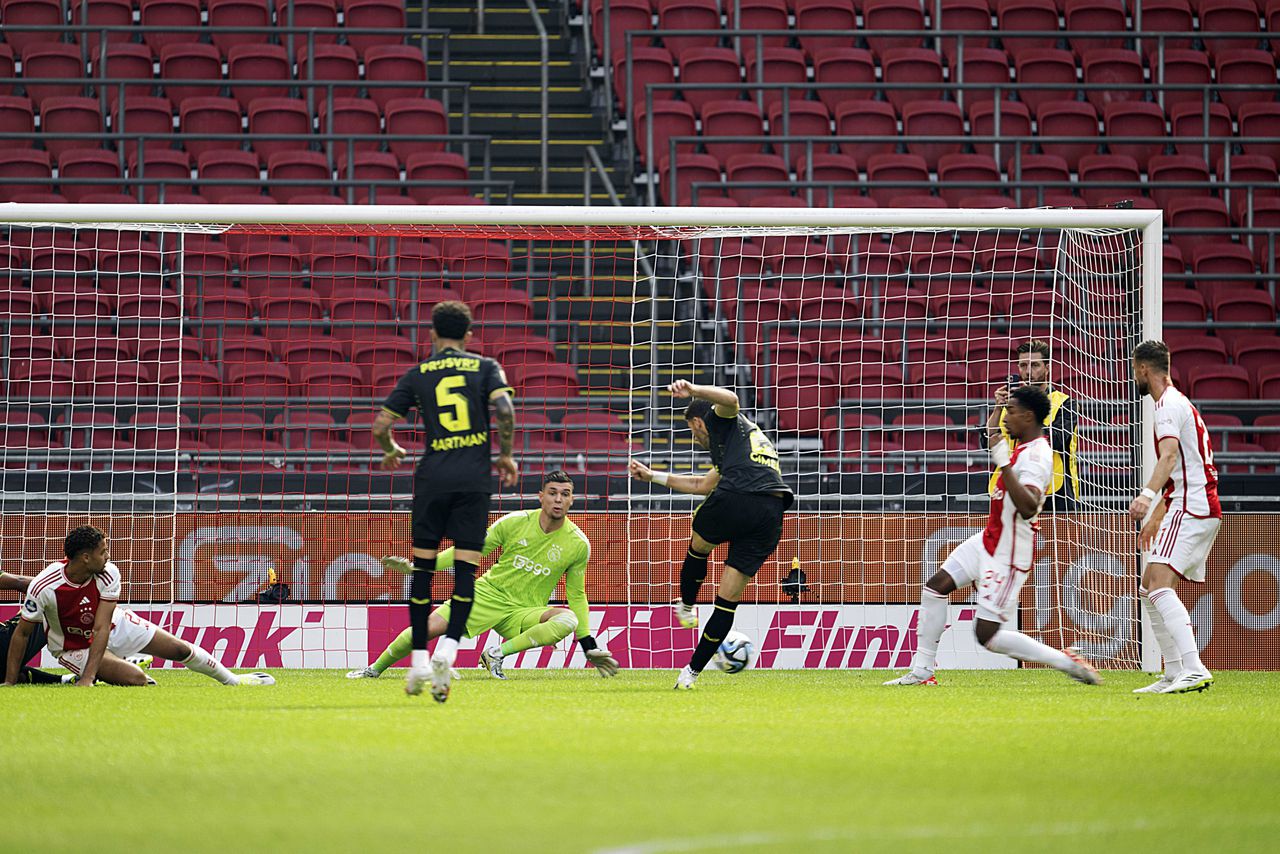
447 648
1177 622
1018 645
1172 660
419 660
933 621
202 662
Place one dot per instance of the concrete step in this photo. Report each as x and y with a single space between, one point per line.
498 19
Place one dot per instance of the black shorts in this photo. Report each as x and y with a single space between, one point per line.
461 516
750 523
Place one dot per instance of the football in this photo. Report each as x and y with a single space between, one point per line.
735 653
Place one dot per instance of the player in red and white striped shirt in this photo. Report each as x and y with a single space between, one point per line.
89 634
1181 531
1000 557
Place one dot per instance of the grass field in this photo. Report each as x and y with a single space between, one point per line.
568 762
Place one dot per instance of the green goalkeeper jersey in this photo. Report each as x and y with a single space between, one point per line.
531 564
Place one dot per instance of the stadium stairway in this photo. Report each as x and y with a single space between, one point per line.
503 67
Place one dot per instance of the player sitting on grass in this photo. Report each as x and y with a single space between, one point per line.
35 638
538 547
999 559
88 634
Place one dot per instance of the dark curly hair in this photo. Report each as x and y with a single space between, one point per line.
83 538
451 320
1034 399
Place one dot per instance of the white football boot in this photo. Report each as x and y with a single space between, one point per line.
441 676
1081 670
492 659
1156 687
1190 680
363 673
685 614
416 680
914 677
256 679
686 678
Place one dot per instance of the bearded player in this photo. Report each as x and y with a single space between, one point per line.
999 559
1183 526
539 547
76 599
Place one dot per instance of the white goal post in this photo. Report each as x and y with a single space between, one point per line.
200 379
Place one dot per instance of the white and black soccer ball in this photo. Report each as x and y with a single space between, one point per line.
735 654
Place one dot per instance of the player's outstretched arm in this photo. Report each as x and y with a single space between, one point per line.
1170 454
724 401
504 412
392 453
17 644
575 591
18 583
689 484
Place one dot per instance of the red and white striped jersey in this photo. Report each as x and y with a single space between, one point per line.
1193 485
1009 538
68 610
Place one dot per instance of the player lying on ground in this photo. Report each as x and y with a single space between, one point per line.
1183 526
452 484
89 634
746 499
35 638
538 548
999 559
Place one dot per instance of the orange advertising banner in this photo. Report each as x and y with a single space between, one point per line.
1084 589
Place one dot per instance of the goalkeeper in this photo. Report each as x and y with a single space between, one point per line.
538 547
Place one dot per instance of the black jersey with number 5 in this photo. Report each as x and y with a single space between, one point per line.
451 392
744 456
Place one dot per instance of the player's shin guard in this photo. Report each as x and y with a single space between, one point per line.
1172 659
718 625
202 662
1177 623
420 599
692 573
559 627
464 590
933 622
1019 646
396 650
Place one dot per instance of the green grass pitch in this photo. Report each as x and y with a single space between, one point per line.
567 762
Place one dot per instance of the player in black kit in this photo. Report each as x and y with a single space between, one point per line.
745 502
452 484
35 641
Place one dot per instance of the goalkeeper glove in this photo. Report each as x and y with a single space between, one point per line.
599 657
1000 454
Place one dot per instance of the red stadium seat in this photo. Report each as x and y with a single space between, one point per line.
1109 168
373 14
865 118
963 15
731 118
649 66
126 61
332 63
824 15
983 70
755 167
77 165
207 116
388 63
911 65
152 118
59 115
231 427
1164 168
297 307
826 166
309 15
40 379
689 170
1228 16
1051 66
1187 119
1119 70
777 65
1260 119
310 166
31 13
1068 119
222 304
1254 69
351 116
183 61
688 15
196 380
924 119
1134 118
708 65
869 381
624 16
1219 382
180 20
258 62
1167 16
554 381
7 68
278 116
414 118
1200 352
844 65
1254 351
802 395
1014 120
1242 305
436 166
897 167
1096 16
1269 382
797 118
327 380
1026 16
238 13
1184 306
1196 213
965 167
1185 67
892 15
16 116
216 167
29 164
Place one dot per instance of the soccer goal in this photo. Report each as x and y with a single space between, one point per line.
200 380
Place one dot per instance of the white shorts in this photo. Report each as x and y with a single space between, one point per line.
130 635
1183 543
998 585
